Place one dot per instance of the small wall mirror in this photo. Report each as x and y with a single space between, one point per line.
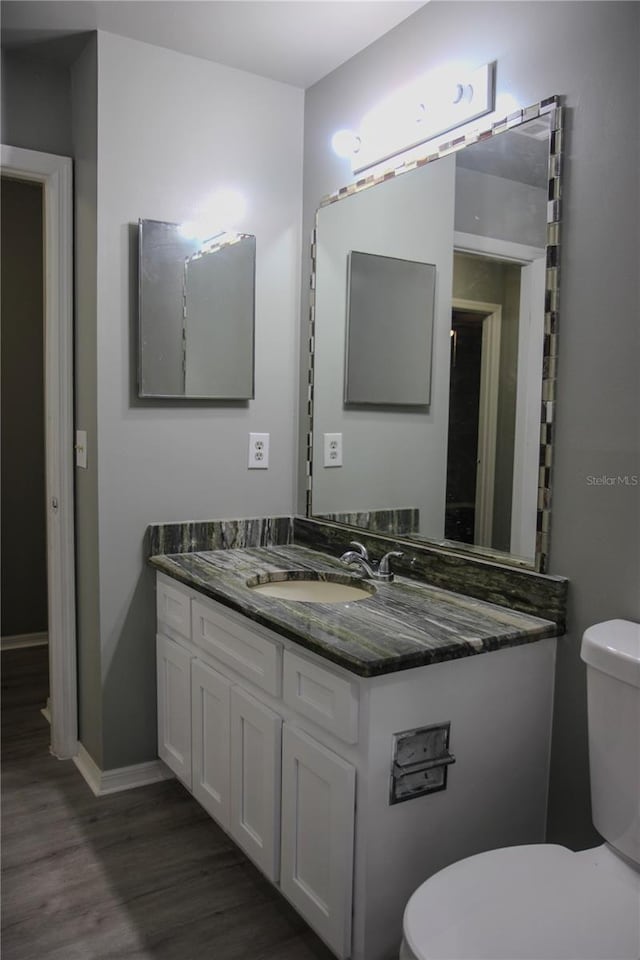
196 315
389 327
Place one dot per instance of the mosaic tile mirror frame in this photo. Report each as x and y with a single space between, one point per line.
380 517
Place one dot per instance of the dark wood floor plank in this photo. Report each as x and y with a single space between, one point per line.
139 875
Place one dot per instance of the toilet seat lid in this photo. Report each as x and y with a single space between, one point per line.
536 902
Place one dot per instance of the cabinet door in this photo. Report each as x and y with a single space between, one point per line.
210 694
318 800
174 707
255 780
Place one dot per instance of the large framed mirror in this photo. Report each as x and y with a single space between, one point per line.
468 470
195 314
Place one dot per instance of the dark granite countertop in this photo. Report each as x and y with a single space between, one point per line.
404 624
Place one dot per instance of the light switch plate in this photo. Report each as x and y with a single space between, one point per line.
81 449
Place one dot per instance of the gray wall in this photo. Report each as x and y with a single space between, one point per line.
24 533
171 130
152 133
494 215
36 104
588 53
84 95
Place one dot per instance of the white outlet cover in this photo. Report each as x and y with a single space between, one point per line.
258 451
332 449
81 449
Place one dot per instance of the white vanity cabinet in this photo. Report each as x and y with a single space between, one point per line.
229 735
298 760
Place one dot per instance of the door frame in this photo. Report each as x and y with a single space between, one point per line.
56 176
526 445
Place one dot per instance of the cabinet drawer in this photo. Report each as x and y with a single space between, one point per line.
173 607
322 696
245 650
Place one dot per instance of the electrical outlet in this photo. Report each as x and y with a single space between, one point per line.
332 449
258 451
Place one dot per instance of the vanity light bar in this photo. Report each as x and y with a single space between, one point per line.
418 112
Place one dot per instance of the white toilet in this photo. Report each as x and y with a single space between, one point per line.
544 902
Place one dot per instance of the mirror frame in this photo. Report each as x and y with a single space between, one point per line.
551 108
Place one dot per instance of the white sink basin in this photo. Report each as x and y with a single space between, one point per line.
311 588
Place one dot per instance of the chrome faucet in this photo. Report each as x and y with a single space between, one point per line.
372 569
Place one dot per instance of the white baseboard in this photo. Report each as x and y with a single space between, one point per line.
103 782
18 640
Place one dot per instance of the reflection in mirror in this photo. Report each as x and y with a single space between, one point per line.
470 470
196 314
389 330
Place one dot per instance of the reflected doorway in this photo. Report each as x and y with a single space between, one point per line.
464 400
474 386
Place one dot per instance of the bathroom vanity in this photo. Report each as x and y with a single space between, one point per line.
351 749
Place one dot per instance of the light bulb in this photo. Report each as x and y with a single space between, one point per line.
345 143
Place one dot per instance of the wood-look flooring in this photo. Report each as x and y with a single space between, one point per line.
142 875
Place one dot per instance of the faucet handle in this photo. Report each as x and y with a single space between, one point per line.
362 550
384 566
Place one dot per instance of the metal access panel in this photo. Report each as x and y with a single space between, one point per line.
420 762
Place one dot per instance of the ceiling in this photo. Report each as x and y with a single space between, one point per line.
294 41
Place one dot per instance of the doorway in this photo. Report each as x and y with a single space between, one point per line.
53 174
24 531
464 408
473 410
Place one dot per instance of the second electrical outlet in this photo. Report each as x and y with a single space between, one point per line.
333 449
258 451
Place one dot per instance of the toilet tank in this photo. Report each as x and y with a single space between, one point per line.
611 651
